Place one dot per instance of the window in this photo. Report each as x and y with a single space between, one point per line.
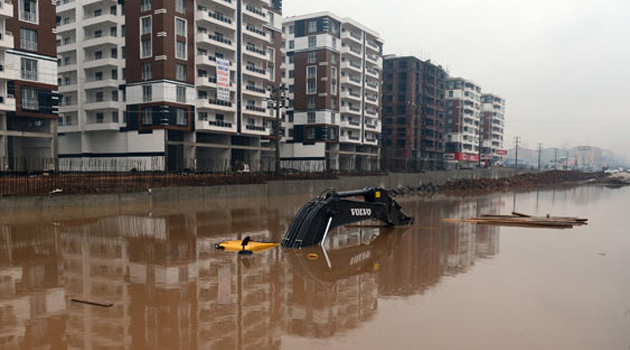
291 44
203 116
310 117
291 74
180 6
112 10
114 95
181 117
180 27
28 39
310 102
333 117
290 117
312 26
98 76
146 71
312 57
311 72
28 11
114 74
145 25
272 54
310 134
146 117
333 80
115 117
146 5
180 72
29 69
146 50
291 29
113 31
147 93
312 41
99 96
311 87
99 118
333 103
220 117
181 94
180 51
30 99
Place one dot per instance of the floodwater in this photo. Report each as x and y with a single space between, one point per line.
435 285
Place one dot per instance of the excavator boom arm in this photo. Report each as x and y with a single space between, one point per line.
318 217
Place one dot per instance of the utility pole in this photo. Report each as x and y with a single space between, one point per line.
279 100
516 142
540 145
566 162
555 158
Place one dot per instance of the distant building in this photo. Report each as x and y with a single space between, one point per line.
413 114
333 72
492 128
463 101
28 85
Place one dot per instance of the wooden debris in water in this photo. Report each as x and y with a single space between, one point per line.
93 303
524 220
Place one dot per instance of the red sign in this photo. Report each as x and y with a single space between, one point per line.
462 156
501 152
486 157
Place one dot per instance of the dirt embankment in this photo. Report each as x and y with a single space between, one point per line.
514 183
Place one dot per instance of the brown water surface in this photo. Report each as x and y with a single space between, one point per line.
434 285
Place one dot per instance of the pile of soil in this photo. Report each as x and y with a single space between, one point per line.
517 182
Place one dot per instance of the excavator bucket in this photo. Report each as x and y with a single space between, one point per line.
331 209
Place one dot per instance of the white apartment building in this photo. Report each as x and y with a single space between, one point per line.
333 69
463 123
141 88
493 124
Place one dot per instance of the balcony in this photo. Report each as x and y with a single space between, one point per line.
350 110
72 86
350 138
349 79
370 85
215 19
64 47
356 67
215 40
209 82
7 103
256 13
6 9
103 126
256 52
372 73
372 100
105 18
256 130
255 91
356 53
6 73
7 40
350 123
93 62
352 36
351 95
93 105
255 32
257 111
370 140
225 3
97 84
68 128
256 72
68 67
91 41
215 125
65 5
215 105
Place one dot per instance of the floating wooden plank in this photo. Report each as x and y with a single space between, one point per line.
524 220
93 303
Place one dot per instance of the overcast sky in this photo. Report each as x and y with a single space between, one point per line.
563 66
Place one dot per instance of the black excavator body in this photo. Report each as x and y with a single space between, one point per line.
331 209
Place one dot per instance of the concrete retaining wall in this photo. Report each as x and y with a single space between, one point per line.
176 195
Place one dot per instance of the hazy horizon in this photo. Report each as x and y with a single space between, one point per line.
561 65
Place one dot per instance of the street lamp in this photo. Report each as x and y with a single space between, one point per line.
414 120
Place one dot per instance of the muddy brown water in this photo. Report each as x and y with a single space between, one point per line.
434 285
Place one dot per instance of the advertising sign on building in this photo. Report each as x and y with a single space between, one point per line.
502 152
223 80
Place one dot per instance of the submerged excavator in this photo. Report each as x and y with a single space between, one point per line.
331 209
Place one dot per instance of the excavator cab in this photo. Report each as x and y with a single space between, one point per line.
332 209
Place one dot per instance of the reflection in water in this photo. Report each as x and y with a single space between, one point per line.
172 290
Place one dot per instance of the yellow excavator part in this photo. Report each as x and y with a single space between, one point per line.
236 246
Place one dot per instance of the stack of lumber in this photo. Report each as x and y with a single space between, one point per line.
524 220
